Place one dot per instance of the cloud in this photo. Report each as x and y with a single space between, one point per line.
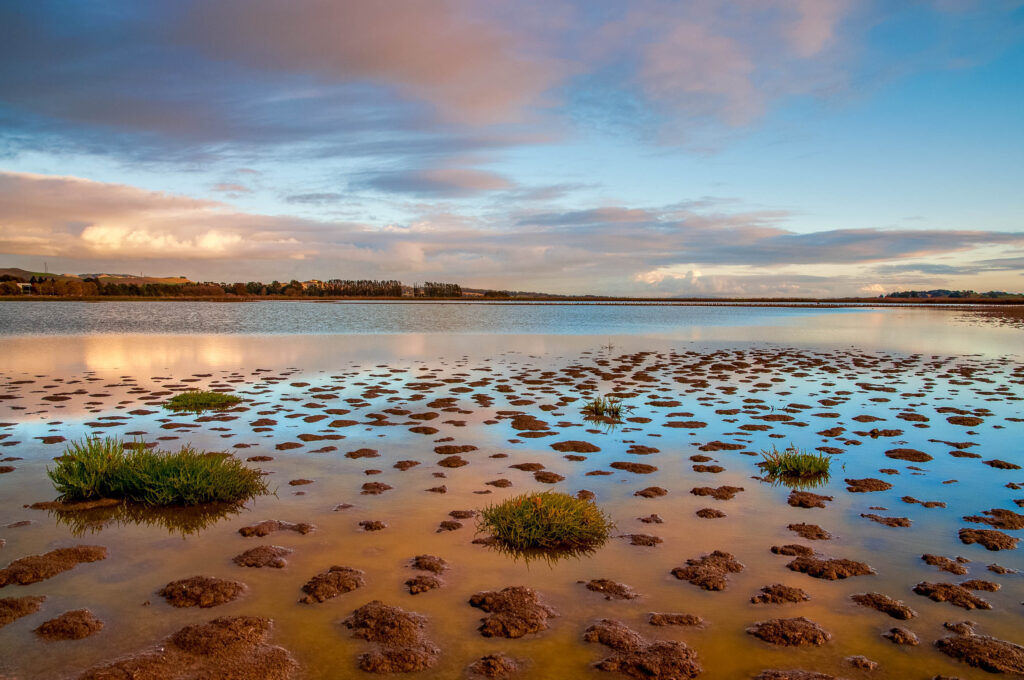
441 182
320 198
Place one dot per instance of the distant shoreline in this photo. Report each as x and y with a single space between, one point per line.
822 303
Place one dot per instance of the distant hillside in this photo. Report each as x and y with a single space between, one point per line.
105 278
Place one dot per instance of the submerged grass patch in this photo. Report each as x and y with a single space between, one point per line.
607 410
792 463
198 400
108 468
546 521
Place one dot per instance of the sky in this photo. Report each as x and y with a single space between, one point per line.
651 147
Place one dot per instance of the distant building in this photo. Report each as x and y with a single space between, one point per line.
25 287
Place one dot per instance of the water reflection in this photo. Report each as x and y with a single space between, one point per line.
549 557
797 482
183 520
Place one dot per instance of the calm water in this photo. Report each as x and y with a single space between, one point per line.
293 362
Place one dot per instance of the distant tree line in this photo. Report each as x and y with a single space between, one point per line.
96 287
943 293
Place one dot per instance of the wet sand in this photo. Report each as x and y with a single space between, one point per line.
339 440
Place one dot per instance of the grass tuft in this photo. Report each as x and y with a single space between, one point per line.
107 468
546 521
605 408
198 400
794 463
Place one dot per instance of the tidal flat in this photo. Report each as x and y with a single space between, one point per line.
384 437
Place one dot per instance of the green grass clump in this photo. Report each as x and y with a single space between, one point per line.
546 521
197 400
605 407
107 468
794 464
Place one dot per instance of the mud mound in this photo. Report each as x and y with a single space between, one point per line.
709 513
36 568
810 532
709 571
493 666
331 583
674 619
901 636
887 521
884 604
792 549
514 612
721 493
13 608
867 485
952 593
829 569
269 526
795 632
987 653
999 519
637 468
651 492
636 657
263 556
990 538
429 563
611 590
201 591
72 625
912 455
779 594
230 647
806 499
400 644
574 446
945 564
643 539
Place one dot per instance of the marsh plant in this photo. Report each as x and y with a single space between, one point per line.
109 468
605 409
198 400
547 521
794 467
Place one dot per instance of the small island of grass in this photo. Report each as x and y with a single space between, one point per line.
546 521
109 468
197 400
793 466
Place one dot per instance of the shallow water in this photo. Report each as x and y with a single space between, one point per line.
931 358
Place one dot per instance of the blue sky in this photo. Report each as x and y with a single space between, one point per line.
753 147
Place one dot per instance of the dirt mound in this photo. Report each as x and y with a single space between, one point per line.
263 556
721 493
13 608
230 647
952 593
792 550
779 594
72 625
269 526
651 492
709 571
987 653
36 568
493 666
574 446
547 477
866 485
643 539
901 636
611 590
885 604
331 583
999 519
709 513
810 532
806 499
401 646
514 612
795 632
887 521
829 569
945 564
912 455
990 538
429 563
201 591
375 488
638 468
636 657
674 619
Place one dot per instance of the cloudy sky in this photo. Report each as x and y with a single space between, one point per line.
748 147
